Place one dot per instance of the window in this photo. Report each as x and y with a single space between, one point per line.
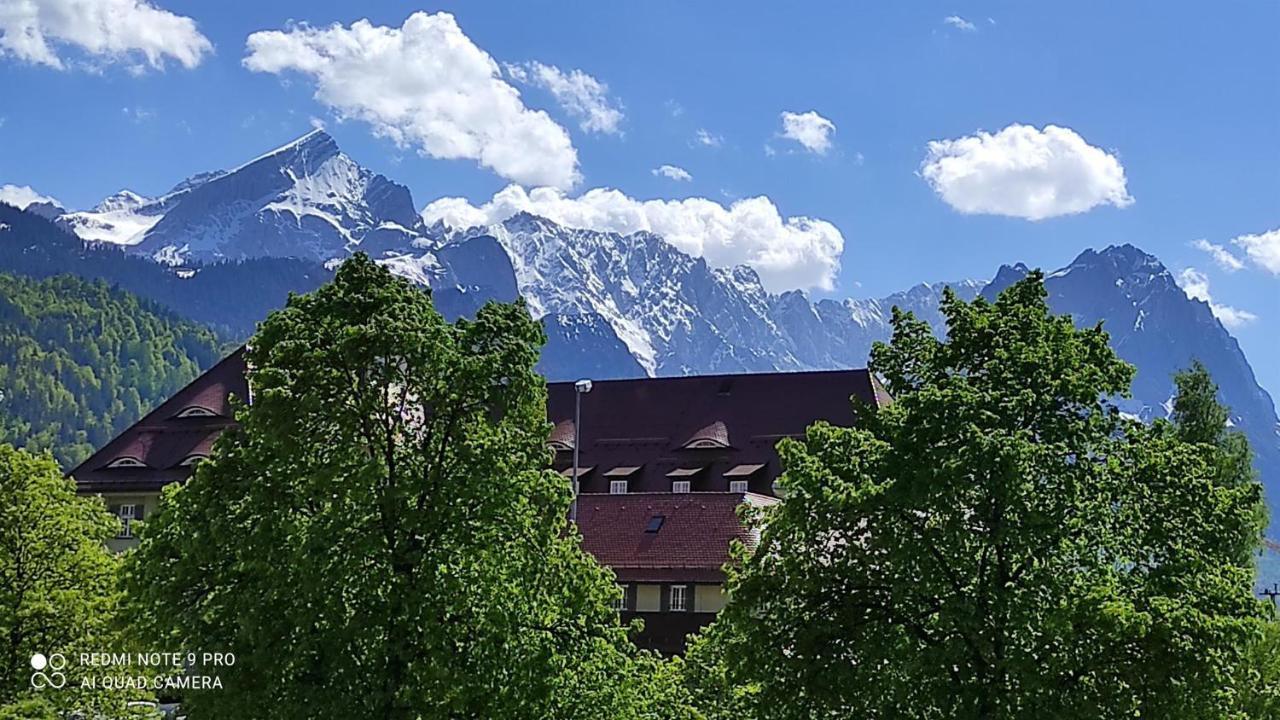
192 460
196 411
679 598
617 487
737 486
620 603
126 462
655 523
128 513
680 486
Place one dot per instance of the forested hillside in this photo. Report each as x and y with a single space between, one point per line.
231 297
80 361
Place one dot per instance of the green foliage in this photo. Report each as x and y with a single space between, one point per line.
1199 418
382 536
57 582
230 297
79 362
999 542
1260 697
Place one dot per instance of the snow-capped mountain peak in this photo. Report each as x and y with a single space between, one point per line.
303 199
125 199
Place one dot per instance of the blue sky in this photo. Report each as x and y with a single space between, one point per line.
1183 99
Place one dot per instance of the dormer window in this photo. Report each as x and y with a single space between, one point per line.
561 439
192 460
125 462
195 411
712 437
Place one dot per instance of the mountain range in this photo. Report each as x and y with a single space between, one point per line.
224 247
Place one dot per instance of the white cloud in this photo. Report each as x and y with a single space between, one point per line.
673 172
20 196
581 95
138 114
1024 172
133 31
705 137
1222 256
793 252
809 129
424 85
1262 249
1196 285
961 24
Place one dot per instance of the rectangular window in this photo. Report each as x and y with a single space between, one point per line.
648 598
679 486
679 598
127 514
617 487
620 603
737 486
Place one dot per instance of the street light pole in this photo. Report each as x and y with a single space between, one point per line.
580 388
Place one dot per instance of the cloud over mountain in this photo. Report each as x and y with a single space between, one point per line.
787 252
1196 285
809 129
673 172
1025 172
1223 257
424 85
131 31
580 94
1263 249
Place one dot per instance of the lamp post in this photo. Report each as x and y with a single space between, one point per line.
580 388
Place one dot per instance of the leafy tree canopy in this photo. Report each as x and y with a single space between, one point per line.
999 542
382 537
57 584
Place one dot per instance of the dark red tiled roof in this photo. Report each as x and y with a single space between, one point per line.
163 441
648 422
692 543
642 423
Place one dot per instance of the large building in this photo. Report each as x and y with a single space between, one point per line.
664 464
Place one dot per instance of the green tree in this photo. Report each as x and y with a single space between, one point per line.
1261 695
57 582
382 536
1000 542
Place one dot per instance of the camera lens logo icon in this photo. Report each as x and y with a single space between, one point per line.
54 678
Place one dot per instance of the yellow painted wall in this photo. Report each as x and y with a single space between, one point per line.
148 503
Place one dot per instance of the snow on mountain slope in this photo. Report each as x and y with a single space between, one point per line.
116 223
305 199
676 315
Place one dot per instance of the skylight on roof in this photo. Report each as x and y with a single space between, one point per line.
655 523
